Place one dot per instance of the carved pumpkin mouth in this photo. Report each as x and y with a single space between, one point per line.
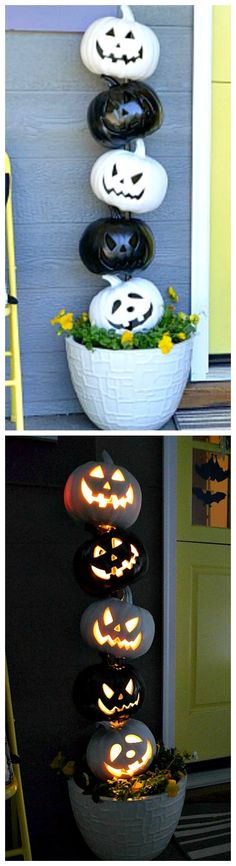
123 57
136 322
116 641
124 194
102 501
134 767
116 570
108 712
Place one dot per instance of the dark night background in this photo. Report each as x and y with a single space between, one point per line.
44 605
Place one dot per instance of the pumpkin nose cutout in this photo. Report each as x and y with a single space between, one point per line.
107 486
123 249
130 309
113 556
122 180
117 628
120 697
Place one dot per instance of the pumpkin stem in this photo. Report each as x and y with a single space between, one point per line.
127 13
110 81
115 212
114 281
140 148
106 458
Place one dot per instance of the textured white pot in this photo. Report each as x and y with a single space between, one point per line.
138 389
133 830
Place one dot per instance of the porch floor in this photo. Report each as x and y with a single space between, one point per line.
184 419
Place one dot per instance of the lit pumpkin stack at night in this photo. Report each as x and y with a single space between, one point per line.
123 51
109 498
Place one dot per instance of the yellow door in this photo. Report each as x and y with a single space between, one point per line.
202 705
219 337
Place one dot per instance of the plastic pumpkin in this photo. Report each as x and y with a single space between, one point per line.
121 752
116 244
120 46
103 494
117 627
124 112
134 305
130 181
109 561
112 692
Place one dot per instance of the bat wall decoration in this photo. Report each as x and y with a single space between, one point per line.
212 470
207 497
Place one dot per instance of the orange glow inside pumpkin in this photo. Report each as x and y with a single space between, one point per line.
101 499
134 767
122 643
109 694
115 570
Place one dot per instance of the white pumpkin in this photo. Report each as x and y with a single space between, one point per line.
121 752
121 47
130 181
134 305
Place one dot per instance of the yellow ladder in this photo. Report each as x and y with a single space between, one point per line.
15 382
14 791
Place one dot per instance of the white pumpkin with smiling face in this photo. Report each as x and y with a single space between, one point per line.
121 752
121 47
130 181
134 305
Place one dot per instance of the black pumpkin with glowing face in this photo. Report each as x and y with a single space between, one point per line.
109 561
104 494
108 692
116 245
121 752
127 111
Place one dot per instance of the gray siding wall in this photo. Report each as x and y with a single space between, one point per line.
52 152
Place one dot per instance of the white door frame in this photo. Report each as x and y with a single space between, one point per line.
169 609
201 185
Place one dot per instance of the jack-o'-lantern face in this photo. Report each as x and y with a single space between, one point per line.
122 752
108 692
120 46
129 180
113 245
109 561
126 112
117 627
104 494
134 305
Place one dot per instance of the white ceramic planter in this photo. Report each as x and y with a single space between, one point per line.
133 830
127 390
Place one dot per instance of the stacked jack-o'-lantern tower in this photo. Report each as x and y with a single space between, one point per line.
109 498
126 179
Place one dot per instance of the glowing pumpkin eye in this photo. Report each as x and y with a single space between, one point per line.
97 472
130 687
131 623
118 475
134 550
115 751
98 551
115 542
107 691
107 617
132 738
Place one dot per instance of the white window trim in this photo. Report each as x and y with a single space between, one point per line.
201 186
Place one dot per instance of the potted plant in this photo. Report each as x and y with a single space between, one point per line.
142 812
130 378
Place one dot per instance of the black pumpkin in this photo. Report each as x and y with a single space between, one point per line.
109 561
116 245
109 692
126 111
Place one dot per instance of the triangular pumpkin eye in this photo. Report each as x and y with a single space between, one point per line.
130 687
107 690
110 32
97 472
98 551
117 475
107 616
115 542
136 177
131 623
110 241
130 35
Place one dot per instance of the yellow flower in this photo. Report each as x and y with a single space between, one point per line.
58 317
127 337
69 768
172 294
194 318
182 316
181 335
172 788
165 344
84 317
136 786
66 322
